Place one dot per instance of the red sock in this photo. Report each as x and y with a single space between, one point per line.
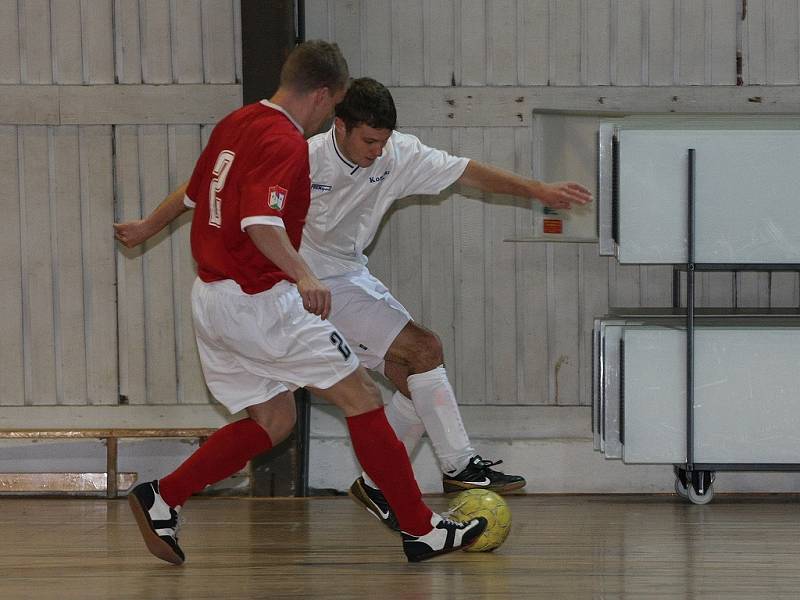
223 454
384 459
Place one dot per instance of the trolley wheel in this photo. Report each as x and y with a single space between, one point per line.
704 498
701 487
681 481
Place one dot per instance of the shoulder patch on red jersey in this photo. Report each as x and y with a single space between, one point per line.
277 197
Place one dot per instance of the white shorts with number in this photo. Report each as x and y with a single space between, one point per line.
253 347
367 314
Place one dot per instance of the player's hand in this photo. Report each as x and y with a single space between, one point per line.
316 297
131 233
563 194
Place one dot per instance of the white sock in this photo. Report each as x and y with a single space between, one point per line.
436 405
408 427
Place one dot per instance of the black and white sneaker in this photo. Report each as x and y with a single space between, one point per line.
479 474
446 536
375 502
157 521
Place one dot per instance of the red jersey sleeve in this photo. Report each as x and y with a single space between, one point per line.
275 184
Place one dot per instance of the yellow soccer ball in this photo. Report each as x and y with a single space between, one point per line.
483 503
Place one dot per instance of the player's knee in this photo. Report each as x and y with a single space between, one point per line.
354 395
366 398
361 397
429 353
277 416
281 426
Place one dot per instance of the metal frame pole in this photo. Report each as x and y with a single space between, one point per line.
690 317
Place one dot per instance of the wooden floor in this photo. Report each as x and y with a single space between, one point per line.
559 547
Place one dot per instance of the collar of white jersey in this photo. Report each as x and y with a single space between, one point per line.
352 168
279 108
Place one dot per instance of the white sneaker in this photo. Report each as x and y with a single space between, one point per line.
158 522
445 536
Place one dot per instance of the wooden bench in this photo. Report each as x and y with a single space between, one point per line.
109 436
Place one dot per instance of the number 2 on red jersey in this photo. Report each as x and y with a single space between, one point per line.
219 173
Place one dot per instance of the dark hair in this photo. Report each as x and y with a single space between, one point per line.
369 102
315 64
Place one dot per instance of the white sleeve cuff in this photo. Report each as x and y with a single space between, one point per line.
263 220
188 202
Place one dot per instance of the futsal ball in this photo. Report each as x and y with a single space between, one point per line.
483 503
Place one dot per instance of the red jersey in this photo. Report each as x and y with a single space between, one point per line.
254 170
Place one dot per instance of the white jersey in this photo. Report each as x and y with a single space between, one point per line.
348 202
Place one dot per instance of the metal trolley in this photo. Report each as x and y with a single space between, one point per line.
694 469
695 480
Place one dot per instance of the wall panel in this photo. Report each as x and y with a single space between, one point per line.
66 42
345 19
752 289
563 315
533 42
408 47
439 27
627 48
596 43
9 43
130 281
565 42
127 42
783 42
501 58
69 300
12 349
691 27
469 271
784 289
37 266
471 43
157 270
531 292
721 35
318 20
97 18
656 285
715 289
219 38
97 212
501 338
36 61
661 46
188 32
156 41
376 31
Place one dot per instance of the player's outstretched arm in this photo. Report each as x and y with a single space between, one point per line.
133 233
272 242
491 179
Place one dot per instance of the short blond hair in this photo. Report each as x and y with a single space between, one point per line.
315 64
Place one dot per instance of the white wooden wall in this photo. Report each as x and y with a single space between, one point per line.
515 318
106 104
86 138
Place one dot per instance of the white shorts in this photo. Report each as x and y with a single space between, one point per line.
367 314
253 347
